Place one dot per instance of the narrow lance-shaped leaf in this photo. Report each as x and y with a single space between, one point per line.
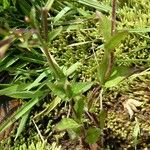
105 25
136 132
115 41
18 114
61 14
72 69
49 4
22 124
54 33
107 60
50 107
96 5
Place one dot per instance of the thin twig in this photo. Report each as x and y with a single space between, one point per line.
69 111
91 118
39 133
101 98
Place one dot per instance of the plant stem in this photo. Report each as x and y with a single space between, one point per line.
113 20
52 64
45 23
113 30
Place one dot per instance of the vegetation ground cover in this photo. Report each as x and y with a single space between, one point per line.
80 95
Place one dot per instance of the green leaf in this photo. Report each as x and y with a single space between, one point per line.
53 104
115 40
58 89
22 124
19 113
61 14
139 30
6 4
95 4
136 132
67 123
8 90
104 69
25 6
49 4
37 81
49 108
105 25
53 34
34 21
25 94
102 118
68 89
119 73
72 69
80 87
79 108
84 13
92 135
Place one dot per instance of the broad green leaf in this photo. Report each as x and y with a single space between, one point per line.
114 82
54 33
79 108
67 123
119 73
102 118
115 40
80 87
22 124
19 113
61 14
92 135
57 89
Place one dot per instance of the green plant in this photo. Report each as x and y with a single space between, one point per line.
57 83
85 117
